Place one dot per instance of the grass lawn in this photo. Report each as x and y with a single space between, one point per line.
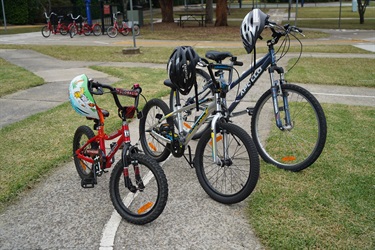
330 205
333 71
9 83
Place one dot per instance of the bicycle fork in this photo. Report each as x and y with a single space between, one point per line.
127 161
215 138
277 91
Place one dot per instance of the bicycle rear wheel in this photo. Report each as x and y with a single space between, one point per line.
46 31
97 30
81 136
295 148
234 179
137 29
153 145
139 192
112 32
86 30
190 116
63 29
124 31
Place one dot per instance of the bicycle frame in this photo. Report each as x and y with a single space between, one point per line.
102 137
256 71
213 105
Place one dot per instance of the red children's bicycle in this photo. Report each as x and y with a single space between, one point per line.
124 29
49 28
138 186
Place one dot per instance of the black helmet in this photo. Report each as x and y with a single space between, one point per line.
181 68
251 28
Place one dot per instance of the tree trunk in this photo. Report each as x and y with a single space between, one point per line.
362 10
166 7
209 11
221 13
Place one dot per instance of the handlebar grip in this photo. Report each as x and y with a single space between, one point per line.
299 30
237 63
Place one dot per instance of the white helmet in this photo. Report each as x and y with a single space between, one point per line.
80 97
251 28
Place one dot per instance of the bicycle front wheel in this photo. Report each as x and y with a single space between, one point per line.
112 32
190 116
298 146
150 132
46 32
235 177
139 194
73 31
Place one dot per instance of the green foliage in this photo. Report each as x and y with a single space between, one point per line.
17 11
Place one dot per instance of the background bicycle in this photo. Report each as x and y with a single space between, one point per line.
138 186
123 29
84 27
50 28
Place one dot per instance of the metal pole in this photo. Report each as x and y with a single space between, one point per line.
340 15
5 19
295 20
88 11
132 18
152 20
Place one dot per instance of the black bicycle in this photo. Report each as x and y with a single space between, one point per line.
288 124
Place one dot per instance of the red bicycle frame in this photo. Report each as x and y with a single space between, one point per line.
102 137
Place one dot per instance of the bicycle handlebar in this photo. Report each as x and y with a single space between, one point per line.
276 35
134 92
72 17
48 17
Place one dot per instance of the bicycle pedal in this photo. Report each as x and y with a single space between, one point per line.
88 183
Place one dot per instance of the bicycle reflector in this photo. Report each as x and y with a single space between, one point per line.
145 207
288 158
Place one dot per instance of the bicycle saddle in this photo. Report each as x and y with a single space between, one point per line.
218 56
169 83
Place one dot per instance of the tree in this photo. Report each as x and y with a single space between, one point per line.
362 10
209 11
166 7
221 13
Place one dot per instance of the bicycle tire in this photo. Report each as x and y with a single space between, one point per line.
97 30
81 136
112 32
152 146
233 180
63 30
137 29
294 149
147 202
46 31
190 116
86 30
73 31
124 31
